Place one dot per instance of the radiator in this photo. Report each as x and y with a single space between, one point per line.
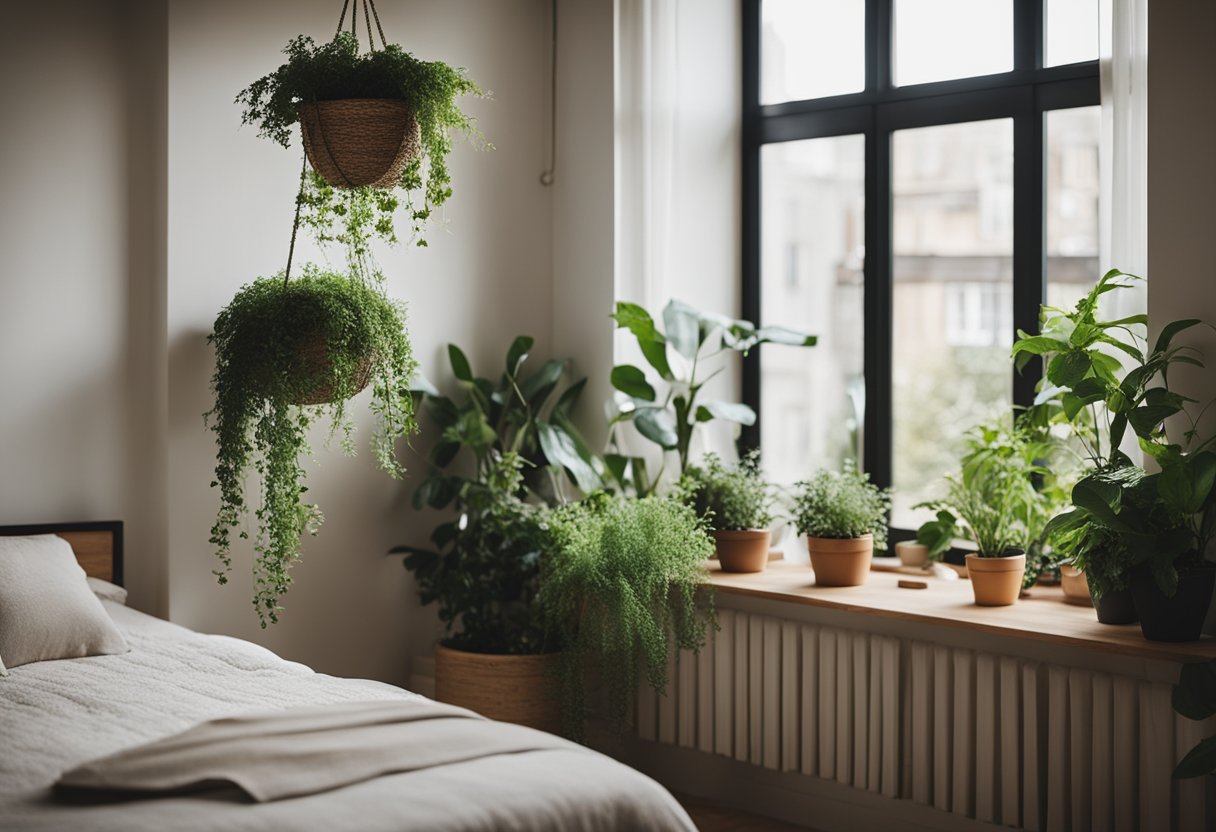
999 739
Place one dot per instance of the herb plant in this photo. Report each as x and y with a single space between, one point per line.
618 586
729 498
336 70
260 375
485 569
842 504
671 419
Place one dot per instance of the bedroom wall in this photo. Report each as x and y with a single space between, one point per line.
352 610
82 320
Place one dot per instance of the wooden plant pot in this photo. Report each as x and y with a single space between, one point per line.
360 141
997 582
912 553
841 562
1075 586
744 550
312 361
519 689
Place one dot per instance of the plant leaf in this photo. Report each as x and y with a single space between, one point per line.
518 353
1171 329
682 323
784 335
1199 761
1067 369
421 384
1195 693
561 449
632 382
567 400
658 425
460 364
730 411
537 387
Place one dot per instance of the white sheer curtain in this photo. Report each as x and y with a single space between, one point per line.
1123 153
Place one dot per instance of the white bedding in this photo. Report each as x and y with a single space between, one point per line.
57 715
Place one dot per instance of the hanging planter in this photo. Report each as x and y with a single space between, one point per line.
380 120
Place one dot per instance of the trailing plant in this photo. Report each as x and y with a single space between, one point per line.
618 587
1166 519
484 569
1012 482
729 498
336 70
1195 698
521 413
842 504
691 340
266 343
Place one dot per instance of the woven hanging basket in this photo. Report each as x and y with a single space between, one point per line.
360 141
312 361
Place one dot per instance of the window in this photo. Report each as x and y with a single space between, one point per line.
913 213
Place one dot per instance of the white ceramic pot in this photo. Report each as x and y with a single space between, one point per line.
912 553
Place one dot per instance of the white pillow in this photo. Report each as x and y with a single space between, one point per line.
47 610
107 591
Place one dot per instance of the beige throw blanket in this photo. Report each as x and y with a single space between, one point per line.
302 751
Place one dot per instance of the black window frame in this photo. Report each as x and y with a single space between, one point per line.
1023 94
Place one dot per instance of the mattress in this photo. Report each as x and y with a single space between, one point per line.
57 715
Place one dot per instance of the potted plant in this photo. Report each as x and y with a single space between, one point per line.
287 354
735 503
844 518
368 121
499 658
621 582
670 419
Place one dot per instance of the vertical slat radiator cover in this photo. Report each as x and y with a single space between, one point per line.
1005 740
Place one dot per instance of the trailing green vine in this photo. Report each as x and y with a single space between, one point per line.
266 343
336 70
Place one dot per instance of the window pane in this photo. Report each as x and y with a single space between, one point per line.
1072 204
1072 31
953 298
811 48
936 40
811 277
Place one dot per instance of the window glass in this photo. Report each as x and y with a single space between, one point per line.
952 327
936 40
1072 32
811 49
812 202
1072 203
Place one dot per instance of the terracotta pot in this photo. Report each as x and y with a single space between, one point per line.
841 561
744 550
360 141
1176 618
519 689
912 553
1075 586
997 582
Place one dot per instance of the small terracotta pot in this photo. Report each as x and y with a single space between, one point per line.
841 561
1075 586
744 550
519 689
997 582
912 553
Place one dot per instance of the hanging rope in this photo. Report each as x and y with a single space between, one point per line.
546 176
341 18
295 225
369 13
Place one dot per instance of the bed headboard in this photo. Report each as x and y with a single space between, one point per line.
98 545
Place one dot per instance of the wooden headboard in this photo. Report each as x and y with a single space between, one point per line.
98 545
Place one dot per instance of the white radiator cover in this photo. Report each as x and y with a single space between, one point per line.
1001 739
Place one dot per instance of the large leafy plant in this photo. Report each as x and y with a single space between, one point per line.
619 585
262 342
1164 519
683 357
336 70
484 572
519 412
730 498
842 504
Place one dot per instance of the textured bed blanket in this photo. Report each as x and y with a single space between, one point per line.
57 716
302 751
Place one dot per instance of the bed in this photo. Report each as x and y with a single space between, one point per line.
56 715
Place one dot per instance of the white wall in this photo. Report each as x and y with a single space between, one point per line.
351 610
81 311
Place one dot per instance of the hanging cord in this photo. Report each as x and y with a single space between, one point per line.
546 176
295 225
376 15
342 18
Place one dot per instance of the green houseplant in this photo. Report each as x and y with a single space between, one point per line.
287 354
844 518
373 120
735 502
678 356
619 585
